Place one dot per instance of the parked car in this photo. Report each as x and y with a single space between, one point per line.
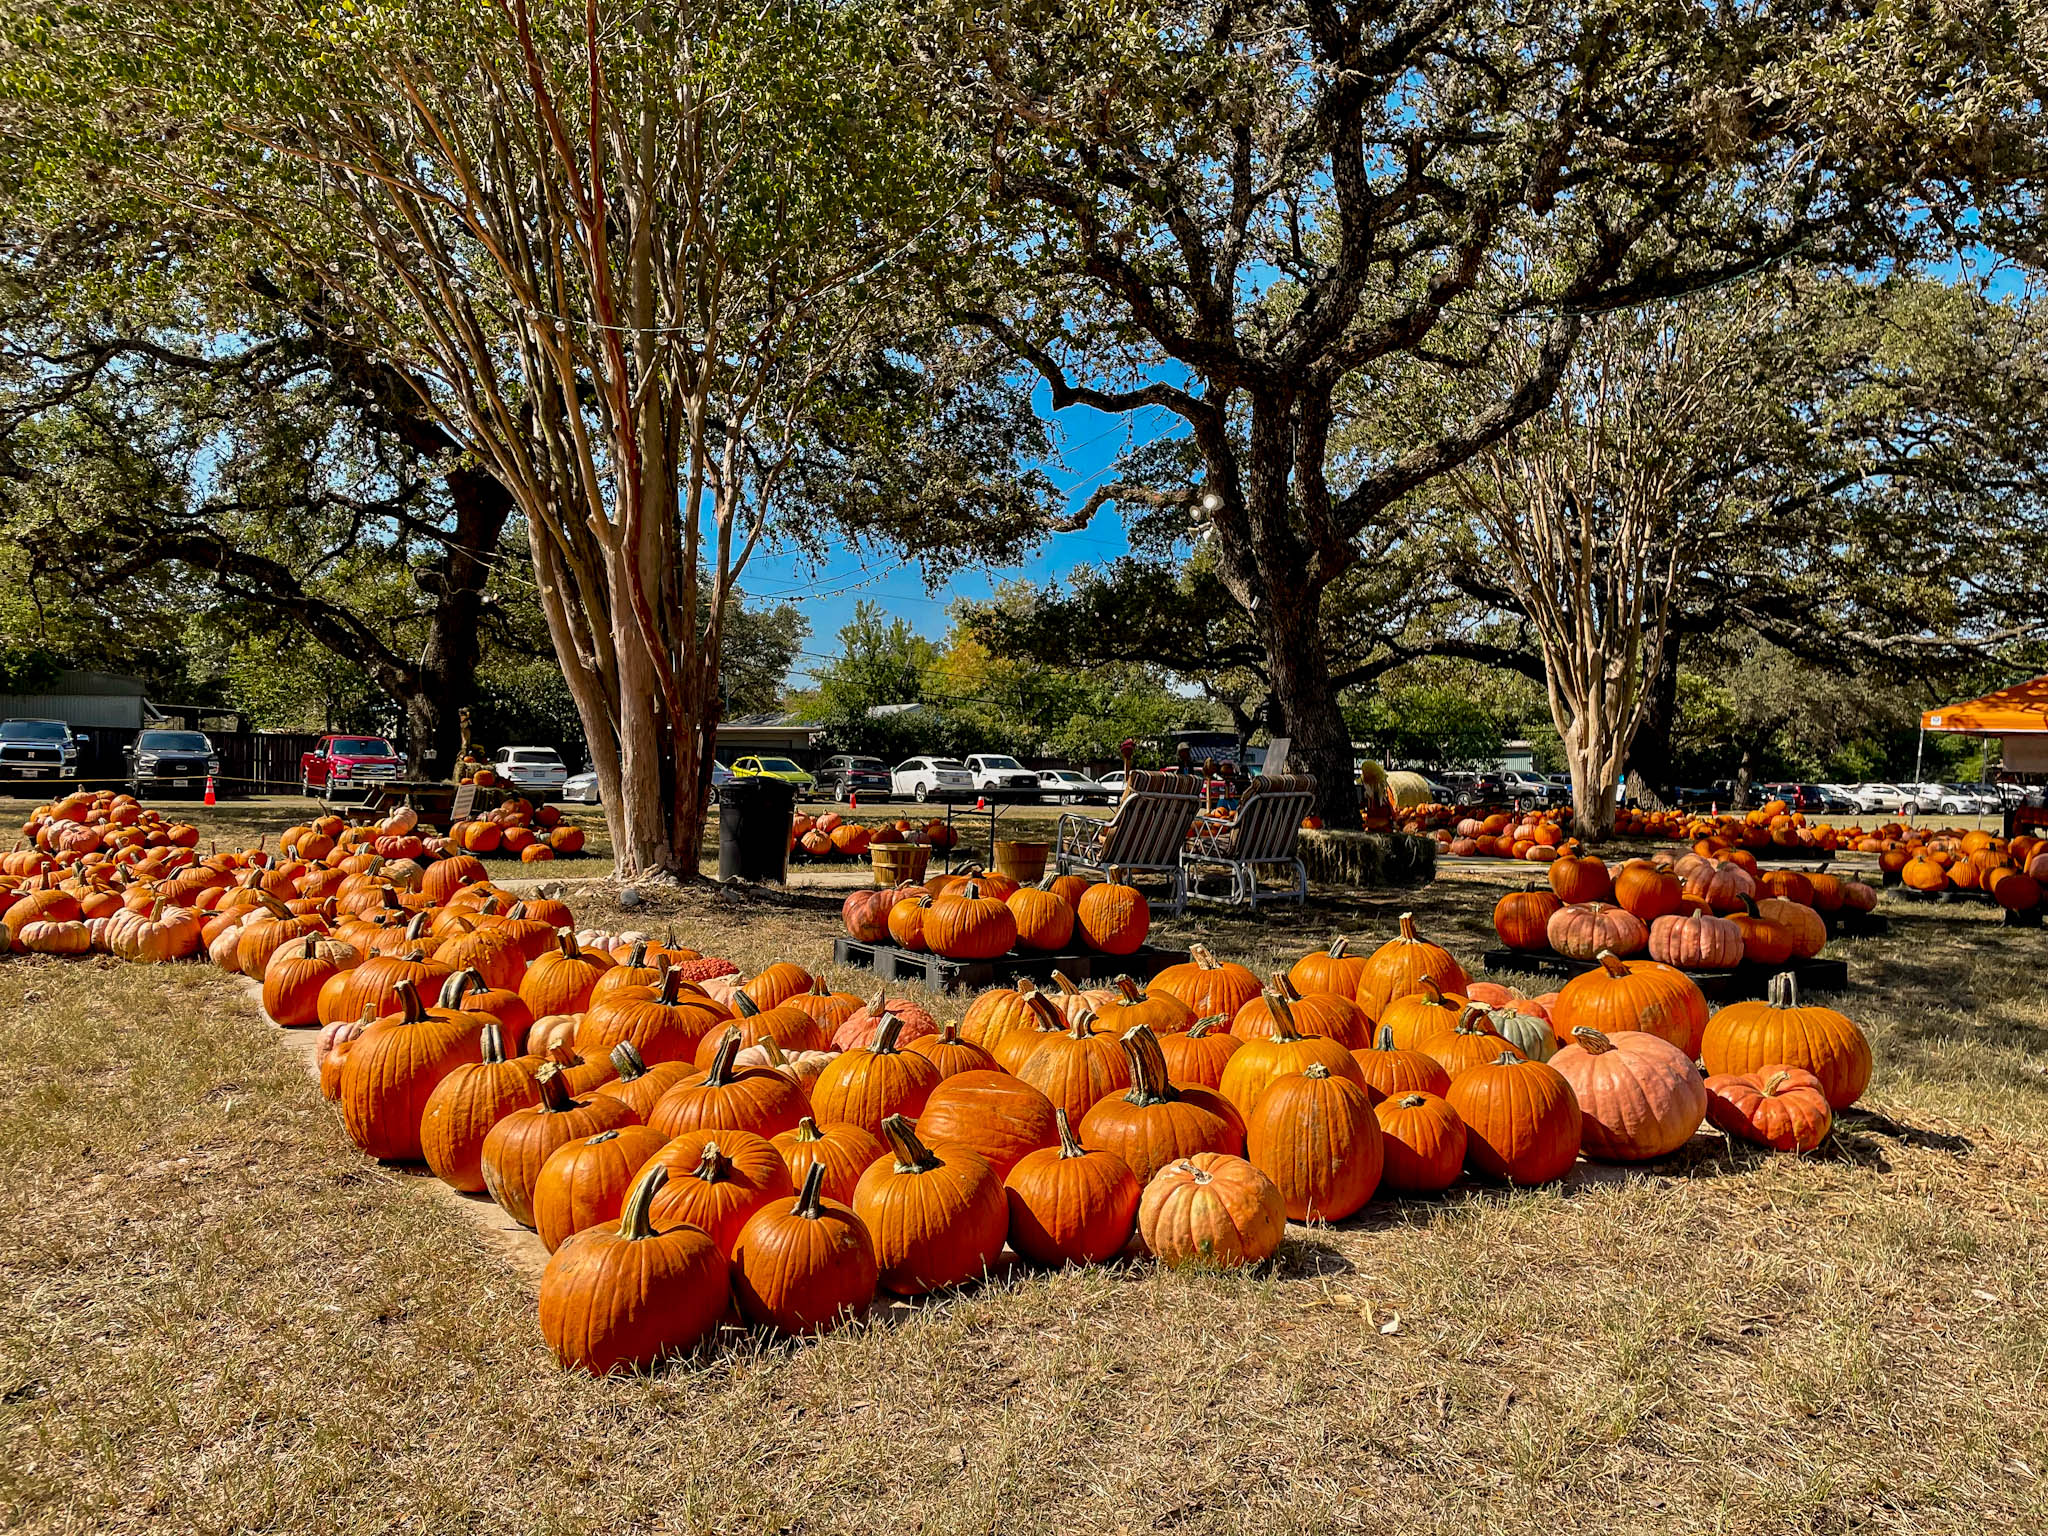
538 771
1063 786
773 768
1877 797
1832 799
581 788
1933 798
347 763
846 775
163 760
1113 781
1531 791
37 749
932 778
999 773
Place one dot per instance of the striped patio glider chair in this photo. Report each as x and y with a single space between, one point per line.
1145 836
1263 836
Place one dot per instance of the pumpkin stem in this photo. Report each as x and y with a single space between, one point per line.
1203 958
1408 927
1773 1083
722 1056
1284 987
1129 988
1149 1082
635 1225
1202 1027
1434 992
1612 963
1082 1026
418 927
912 1156
565 941
671 980
493 1041
744 1005
1386 1039
1065 983
1590 1040
1070 1144
1414 1100
810 1200
949 1032
818 988
712 1165
626 1059
772 1051
636 959
1474 1021
409 1005
1283 1018
1337 947
1049 1016
459 986
1315 1069
600 1138
807 1130
1509 1059
555 1097
886 1033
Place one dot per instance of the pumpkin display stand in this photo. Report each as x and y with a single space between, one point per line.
2030 918
1743 981
891 962
900 863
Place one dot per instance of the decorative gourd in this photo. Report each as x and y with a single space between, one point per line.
1158 1120
1315 1136
1527 1033
1633 994
804 1266
1781 1107
936 1220
1779 1032
1639 1095
1422 1143
1212 1210
1398 967
1522 1123
1071 1203
622 1299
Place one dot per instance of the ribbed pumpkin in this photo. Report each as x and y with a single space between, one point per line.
374 983
858 1029
621 1299
1157 1120
716 1180
1422 1013
1647 891
1199 1056
1212 1210
806 1265
1422 1143
1640 1096
830 1009
1315 1136
843 1152
1398 967
1131 1005
1076 1067
1258 1062
1781 1107
1387 1069
331 1048
1000 1010
1522 919
1113 917
753 1099
1581 932
638 1086
1779 1032
1697 941
1318 1013
1335 970
1805 930
1043 919
495 953
294 976
583 1183
1470 1042
520 1143
1207 985
1763 941
866 912
669 1023
865 1086
969 925
777 984
392 1069
1521 1122
560 980
465 992
906 921
1071 1203
951 1054
465 1105
789 1027
992 1114
936 1220
1633 994
1578 877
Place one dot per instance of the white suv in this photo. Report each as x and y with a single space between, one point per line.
537 770
932 778
995 771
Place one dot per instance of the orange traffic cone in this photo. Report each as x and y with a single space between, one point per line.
209 789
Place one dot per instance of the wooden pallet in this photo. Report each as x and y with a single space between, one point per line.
1816 975
892 963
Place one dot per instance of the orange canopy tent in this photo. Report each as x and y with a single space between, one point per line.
2020 711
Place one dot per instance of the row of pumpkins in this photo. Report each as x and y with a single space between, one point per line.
2012 873
1501 835
833 836
980 915
1696 912
514 828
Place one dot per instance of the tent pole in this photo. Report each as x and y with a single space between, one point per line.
1919 753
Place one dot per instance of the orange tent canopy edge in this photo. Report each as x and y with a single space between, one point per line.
2009 711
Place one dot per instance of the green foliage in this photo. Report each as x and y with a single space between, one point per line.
26 669
1434 729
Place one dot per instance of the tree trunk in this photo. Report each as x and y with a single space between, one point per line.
1321 744
1650 773
446 675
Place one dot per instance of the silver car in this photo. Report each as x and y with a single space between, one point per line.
1063 786
535 770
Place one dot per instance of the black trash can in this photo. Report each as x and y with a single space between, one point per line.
753 829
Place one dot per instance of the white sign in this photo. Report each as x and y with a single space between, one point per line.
1276 756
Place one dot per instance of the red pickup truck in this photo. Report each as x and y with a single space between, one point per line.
344 763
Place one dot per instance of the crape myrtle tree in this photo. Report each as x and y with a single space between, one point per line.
624 254
1232 211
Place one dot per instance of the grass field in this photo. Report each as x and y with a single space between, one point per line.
215 1316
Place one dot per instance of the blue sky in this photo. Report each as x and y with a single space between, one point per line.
1089 443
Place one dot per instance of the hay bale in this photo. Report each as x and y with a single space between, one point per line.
1367 858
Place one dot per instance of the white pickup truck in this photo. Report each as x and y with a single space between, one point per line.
1001 774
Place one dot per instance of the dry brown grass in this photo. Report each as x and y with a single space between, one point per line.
216 1317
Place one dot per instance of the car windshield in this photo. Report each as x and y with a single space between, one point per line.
779 765
536 755
362 746
947 763
1000 762
36 730
172 741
